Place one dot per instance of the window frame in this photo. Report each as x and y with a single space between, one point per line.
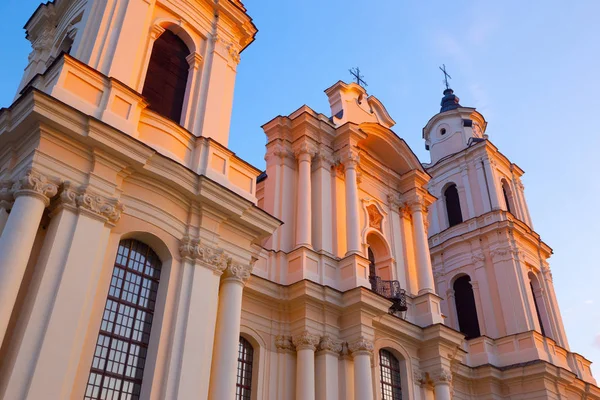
245 365
395 372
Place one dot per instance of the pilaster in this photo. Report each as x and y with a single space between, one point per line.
362 351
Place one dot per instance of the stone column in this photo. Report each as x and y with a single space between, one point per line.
347 374
191 94
304 196
464 172
362 351
32 195
227 333
196 319
492 184
322 220
327 368
6 202
424 269
286 371
306 344
352 217
482 183
442 382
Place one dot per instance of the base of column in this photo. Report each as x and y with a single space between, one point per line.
427 310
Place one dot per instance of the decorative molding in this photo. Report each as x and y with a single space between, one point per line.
304 148
361 345
375 217
350 158
6 195
478 260
419 376
35 184
284 343
306 341
330 344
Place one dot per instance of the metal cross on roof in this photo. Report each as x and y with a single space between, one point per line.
446 76
359 78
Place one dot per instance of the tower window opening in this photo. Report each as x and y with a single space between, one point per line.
538 302
507 196
166 79
243 387
389 369
453 206
466 308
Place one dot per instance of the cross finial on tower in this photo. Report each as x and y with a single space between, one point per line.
446 75
355 72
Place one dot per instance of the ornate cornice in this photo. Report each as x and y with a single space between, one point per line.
306 341
284 343
360 346
330 344
108 209
37 185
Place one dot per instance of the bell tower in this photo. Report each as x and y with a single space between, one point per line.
116 58
489 264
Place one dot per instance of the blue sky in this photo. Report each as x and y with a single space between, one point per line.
532 68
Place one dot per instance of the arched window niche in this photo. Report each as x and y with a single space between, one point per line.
121 350
508 197
167 74
541 313
394 380
379 255
452 202
466 309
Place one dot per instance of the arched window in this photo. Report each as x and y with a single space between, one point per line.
538 302
453 205
389 369
243 390
506 192
166 79
465 307
122 346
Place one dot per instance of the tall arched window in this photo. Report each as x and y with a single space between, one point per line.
453 205
465 307
389 369
372 268
243 387
166 79
538 302
507 196
120 356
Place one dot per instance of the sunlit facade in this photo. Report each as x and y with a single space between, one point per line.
140 258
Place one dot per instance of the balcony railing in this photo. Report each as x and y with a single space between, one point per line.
390 290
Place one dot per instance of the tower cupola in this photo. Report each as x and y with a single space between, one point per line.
453 129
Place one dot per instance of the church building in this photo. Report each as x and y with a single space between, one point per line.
140 258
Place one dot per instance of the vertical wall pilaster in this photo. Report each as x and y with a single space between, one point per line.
352 217
306 344
362 351
326 368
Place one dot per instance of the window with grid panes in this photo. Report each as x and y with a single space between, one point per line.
120 355
389 369
243 390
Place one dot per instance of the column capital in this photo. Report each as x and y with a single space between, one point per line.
478 260
6 195
349 157
324 159
329 344
284 344
394 201
213 258
417 205
237 272
108 210
419 376
547 273
442 376
305 150
360 346
35 184
305 341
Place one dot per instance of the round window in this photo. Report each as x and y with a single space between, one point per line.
443 131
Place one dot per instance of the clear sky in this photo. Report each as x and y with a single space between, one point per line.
532 68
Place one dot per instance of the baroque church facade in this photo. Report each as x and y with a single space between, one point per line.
140 258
